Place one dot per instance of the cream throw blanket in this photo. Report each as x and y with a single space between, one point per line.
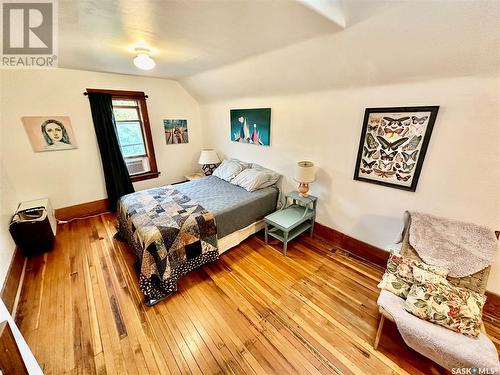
463 248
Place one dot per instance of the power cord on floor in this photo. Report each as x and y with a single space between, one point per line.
80 218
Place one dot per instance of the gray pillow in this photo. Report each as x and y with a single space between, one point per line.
253 179
227 170
273 176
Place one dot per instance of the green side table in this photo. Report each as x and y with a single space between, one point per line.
297 215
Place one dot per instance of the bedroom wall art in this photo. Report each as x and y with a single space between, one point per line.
176 131
49 133
251 126
393 145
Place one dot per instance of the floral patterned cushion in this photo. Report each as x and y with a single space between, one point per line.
401 266
452 307
399 278
394 284
420 275
441 271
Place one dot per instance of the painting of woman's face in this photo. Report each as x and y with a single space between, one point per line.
54 131
49 133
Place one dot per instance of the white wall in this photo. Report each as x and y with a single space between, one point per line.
8 204
390 54
75 176
460 177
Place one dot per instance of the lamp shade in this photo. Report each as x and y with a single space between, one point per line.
208 157
305 172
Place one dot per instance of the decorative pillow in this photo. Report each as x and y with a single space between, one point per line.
441 271
420 275
403 269
452 307
401 266
252 179
417 301
394 284
227 170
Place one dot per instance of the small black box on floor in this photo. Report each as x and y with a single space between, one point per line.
33 227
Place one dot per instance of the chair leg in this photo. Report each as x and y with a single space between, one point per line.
379 331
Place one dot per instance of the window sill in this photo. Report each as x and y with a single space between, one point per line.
144 176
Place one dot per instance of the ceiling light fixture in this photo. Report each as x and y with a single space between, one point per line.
143 60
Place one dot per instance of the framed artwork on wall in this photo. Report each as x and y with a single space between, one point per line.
393 145
49 133
251 126
176 131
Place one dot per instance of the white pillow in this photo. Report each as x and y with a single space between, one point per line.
273 176
253 179
227 170
243 164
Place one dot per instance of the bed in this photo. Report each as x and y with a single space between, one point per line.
174 229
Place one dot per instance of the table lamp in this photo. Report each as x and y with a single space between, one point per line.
208 160
304 175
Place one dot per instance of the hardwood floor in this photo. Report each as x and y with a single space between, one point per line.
253 311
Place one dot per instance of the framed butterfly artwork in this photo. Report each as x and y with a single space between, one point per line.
393 145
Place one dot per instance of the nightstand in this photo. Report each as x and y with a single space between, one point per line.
297 215
194 176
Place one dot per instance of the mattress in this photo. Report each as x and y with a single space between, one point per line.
234 208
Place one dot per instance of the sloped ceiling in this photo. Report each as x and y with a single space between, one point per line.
234 48
383 43
186 36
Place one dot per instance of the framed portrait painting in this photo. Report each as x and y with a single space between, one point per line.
176 131
251 126
52 133
393 145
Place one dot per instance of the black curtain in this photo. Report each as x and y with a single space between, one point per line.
118 181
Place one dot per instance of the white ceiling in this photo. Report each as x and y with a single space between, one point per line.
186 36
384 43
234 48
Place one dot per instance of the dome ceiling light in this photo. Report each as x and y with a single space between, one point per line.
143 60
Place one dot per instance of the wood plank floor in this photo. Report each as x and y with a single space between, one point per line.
252 311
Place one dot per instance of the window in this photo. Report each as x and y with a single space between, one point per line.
134 133
129 127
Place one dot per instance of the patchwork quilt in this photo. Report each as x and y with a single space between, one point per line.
170 234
